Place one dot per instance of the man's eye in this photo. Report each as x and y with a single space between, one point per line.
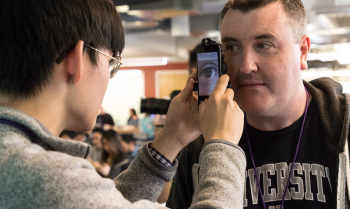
263 46
209 72
231 47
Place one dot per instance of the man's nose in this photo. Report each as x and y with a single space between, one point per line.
247 63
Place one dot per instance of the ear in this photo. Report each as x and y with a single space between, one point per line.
75 62
305 44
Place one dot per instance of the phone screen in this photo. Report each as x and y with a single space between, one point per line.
208 72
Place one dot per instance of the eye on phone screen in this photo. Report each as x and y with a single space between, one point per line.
208 72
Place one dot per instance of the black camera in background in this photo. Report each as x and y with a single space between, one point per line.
157 106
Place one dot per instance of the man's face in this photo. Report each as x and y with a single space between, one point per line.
88 95
263 58
96 139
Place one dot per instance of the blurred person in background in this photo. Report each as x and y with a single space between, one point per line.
104 120
68 134
95 155
81 137
133 119
114 160
129 145
147 126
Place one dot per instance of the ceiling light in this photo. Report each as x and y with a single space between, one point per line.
342 47
317 73
325 73
151 61
122 9
335 31
129 73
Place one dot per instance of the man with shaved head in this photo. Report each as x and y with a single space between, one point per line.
296 132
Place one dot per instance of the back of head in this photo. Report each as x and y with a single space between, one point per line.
70 134
129 139
133 111
36 32
294 9
98 130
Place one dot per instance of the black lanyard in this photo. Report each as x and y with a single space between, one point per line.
22 128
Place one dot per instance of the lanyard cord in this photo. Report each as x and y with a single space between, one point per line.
295 156
29 133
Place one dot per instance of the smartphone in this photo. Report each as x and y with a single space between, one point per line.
209 67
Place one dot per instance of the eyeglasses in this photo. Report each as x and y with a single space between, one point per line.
114 63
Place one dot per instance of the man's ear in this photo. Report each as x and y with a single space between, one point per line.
305 44
75 62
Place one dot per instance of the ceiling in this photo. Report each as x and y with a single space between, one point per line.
171 28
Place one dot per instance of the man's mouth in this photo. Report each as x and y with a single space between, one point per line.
251 83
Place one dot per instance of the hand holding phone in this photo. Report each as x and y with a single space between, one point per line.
181 125
219 116
210 66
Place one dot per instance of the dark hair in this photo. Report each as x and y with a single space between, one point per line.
70 134
129 139
133 111
113 139
98 130
294 9
192 62
35 32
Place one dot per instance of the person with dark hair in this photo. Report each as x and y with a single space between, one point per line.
56 60
133 119
104 120
296 132
114 160
68 134
129 145
94 156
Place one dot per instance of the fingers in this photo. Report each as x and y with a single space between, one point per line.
221 85
193 76
229 93
187 91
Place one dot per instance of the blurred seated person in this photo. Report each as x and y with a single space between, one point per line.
129 145
147 126
133 119
114 160
80 137
104 120
94 156
65 134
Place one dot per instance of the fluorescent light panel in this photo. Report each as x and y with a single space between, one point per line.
151 61
122 8
324 73
341 57
127 73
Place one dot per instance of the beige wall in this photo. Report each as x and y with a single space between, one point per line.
168 81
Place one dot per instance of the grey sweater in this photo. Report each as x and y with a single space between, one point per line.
53 173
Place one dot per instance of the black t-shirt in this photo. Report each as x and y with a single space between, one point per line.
273 153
